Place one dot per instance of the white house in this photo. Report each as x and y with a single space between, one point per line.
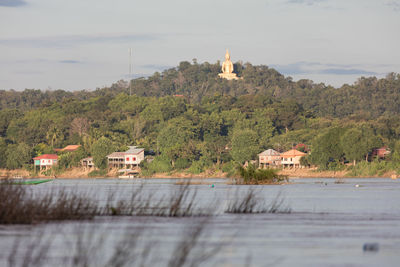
45 161
292 158
128 159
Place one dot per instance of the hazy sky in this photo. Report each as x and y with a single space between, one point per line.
83 44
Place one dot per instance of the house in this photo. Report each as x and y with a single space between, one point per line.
291 158
45 161
128 159
380 153
269 157
69 148
87 163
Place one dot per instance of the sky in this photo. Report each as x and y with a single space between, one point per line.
75 44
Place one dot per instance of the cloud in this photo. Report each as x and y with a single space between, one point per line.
337 71
156 67
395 5
28 72
72 40
69 61
12 3
305 2
303 67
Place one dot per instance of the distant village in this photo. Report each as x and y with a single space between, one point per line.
127 163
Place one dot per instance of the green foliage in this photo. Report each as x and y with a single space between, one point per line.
182 163
159 164
244 145
101 148
173 138
304 161
41 149
65 161
252 175
215 121
3 150
370 169
98 173
357 143
327 148
229 168
18 155
200 165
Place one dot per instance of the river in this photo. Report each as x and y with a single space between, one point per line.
328 225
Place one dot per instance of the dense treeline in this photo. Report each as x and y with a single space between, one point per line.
189 118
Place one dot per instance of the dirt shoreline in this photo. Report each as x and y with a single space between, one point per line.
75 173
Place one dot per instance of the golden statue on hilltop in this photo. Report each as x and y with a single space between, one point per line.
227 68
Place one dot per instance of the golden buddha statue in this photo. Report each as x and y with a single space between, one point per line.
227 68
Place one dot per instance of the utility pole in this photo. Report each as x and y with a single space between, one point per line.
130 71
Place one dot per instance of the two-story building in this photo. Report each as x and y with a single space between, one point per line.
45 161
128 159
269 158
291 158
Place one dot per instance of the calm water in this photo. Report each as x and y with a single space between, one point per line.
328 225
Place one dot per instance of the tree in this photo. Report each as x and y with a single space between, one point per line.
174 138
3 150
80 126
18 155
100 149
244 145
327 148
358 143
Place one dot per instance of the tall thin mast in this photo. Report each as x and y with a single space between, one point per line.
130 71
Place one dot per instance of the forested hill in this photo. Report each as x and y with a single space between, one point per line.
367 97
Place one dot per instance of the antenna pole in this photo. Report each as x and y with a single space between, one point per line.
130 71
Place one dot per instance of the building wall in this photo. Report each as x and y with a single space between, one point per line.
134 158
293 160
268 159
47 162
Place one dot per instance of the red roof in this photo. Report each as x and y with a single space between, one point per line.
47 156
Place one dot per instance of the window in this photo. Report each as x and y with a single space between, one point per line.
127 159
133 159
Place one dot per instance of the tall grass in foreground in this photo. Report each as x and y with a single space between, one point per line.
251 202
252 175
179 203
18 205
91 247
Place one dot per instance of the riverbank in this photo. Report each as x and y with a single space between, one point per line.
291 173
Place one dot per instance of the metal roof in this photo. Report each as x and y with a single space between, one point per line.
269 152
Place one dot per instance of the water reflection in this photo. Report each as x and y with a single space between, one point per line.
328 225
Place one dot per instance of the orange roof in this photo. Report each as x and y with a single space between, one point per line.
47 156
292 153
71 148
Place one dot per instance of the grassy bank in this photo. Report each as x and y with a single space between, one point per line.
361 170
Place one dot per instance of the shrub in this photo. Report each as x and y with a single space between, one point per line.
182 163
196 167
229 168
97 173
252 175
159 164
